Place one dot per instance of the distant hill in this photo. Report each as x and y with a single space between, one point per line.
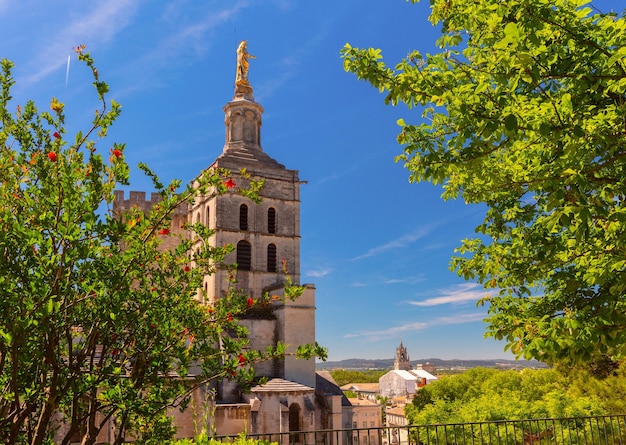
356 363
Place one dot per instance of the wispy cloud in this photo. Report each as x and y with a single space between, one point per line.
405 280
397 243
460 293
290 65
99 25
359 284
418 326
193 35
376 281
337 175
188 42
318 273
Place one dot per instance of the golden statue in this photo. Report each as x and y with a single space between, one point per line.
241 79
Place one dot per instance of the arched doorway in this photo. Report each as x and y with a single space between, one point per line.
295 423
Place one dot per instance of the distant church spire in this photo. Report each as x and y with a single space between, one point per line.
401 361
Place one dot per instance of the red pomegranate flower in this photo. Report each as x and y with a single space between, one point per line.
230 183
52 156
250 302
117 153
242 360
164 232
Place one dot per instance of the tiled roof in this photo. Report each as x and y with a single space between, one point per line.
366 387
414 374
326 386
406 375
362 402
281 385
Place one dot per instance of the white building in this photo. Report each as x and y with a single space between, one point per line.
403 381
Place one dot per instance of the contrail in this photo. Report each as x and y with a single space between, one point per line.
67 72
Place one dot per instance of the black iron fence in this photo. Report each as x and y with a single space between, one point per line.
596 430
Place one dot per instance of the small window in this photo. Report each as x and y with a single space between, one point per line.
244 255
243 217
271 258
271 220
208 216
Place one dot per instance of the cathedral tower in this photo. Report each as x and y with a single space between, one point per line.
266 235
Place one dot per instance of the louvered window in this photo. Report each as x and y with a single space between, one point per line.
243 217
244 255
271 220
271 258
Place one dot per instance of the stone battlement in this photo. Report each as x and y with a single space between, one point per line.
138 200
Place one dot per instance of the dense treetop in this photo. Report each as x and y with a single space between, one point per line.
523 111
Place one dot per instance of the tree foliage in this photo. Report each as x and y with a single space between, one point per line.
98 322
524 111
345 376
483 394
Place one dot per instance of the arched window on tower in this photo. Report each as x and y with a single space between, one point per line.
271 258
244 255
243 217
271 220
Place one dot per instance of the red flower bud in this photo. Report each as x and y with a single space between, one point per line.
164 232
56 135
230 317
250 302
242 360
187 269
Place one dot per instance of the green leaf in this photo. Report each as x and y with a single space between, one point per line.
510 122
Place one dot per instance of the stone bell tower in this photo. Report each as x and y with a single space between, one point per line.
266 235
401 361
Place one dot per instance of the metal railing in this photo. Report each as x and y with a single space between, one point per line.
596 430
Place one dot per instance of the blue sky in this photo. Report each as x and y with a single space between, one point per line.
376 247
